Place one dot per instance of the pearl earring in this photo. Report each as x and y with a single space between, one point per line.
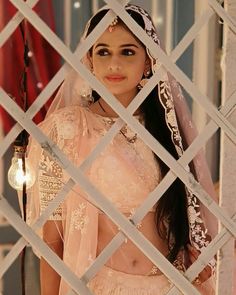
147 73
144 81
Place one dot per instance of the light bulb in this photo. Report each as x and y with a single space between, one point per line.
16 175
77 5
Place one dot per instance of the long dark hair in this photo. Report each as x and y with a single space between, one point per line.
172 207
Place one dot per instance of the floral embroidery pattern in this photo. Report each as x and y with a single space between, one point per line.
199 237
166 100
68 130
149 27
50 183
150 31
79 219
198 233
154 270
50 166
178 263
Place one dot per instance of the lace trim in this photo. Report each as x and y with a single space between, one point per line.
166 100
198 233
50 179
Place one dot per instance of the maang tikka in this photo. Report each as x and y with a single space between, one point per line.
113 24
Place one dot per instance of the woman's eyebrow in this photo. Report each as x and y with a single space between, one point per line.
129 45
123 45
101 44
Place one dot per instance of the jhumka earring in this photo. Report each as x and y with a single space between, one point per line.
86 94
113 24
144 81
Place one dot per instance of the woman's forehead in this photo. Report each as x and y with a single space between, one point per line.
117 36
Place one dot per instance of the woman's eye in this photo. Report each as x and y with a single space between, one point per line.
128 52
102 52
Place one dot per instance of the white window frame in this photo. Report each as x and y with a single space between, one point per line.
218 120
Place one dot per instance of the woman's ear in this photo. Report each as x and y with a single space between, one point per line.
147 65
147 69
90 62
89 57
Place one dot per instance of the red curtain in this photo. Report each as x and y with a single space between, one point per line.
44 62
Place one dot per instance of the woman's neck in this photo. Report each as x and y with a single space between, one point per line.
108 111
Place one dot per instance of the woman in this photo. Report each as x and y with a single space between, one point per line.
125 172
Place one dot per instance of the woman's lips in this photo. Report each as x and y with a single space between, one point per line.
115 78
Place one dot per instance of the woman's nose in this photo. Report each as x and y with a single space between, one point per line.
114 64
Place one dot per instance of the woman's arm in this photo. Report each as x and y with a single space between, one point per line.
49 278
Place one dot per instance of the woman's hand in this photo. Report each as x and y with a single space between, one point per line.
206 273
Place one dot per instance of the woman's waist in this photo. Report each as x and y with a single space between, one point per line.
147 225
137 266
128 257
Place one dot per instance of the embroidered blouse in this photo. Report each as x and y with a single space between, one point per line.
125 172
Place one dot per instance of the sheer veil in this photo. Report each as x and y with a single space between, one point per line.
76 91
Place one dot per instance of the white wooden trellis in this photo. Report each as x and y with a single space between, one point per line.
218 119
206 78
67 26
228 160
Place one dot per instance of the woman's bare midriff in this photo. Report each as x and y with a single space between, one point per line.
128 258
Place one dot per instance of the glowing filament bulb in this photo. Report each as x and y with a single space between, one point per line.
16 175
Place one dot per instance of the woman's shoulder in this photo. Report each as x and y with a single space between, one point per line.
68 114
72 121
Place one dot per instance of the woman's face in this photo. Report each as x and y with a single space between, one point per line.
119 62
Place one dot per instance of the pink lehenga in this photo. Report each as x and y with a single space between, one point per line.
126 167
113 282
129 168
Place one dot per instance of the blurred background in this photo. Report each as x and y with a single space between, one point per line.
173 18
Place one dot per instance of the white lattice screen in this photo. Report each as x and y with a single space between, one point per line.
218 120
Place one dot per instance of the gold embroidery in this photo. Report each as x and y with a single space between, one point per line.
79 219
50 183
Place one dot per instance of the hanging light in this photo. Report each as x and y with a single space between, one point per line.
20 172
77 4
21 176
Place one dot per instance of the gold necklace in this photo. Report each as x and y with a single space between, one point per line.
123 130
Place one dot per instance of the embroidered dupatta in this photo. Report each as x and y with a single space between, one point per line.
202 224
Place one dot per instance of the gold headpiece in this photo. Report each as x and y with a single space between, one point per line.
113 24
